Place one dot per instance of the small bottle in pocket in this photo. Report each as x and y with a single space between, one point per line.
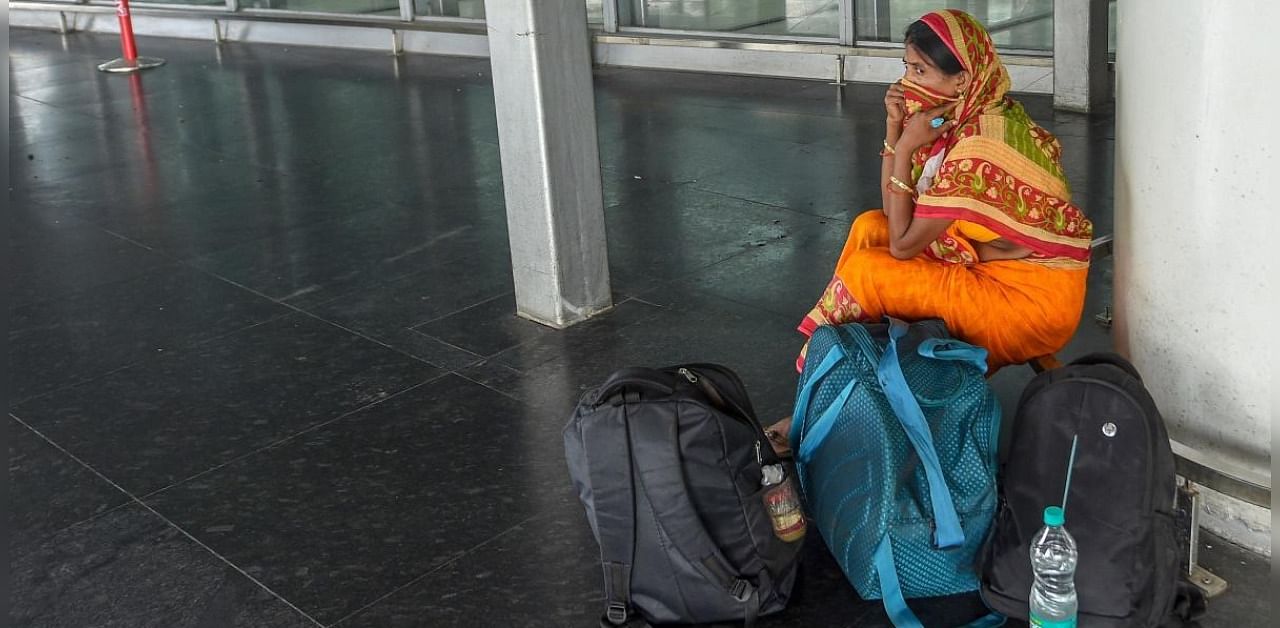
783 504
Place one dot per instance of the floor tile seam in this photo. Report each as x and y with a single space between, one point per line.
47 104
468 552
799 212
126 499
500 392
776 110
335 219
295 436
493 357
436 319
135 500
497 356
76 384
680 282
298 310
126 238
46 536
483 358
792 143
179 349
369 338
812 83
446 343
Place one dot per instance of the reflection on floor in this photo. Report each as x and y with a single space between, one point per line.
266 371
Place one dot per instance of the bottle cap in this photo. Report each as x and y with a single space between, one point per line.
1053 516
771 474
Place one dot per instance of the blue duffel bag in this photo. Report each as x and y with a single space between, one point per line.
895 433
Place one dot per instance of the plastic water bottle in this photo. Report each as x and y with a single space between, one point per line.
1053 562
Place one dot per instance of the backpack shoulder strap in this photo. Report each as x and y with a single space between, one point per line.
607 446
659 474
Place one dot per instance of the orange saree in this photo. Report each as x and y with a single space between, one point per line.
996 175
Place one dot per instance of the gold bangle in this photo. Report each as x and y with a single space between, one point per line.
900 186
888 150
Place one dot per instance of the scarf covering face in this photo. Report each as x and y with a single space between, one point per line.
997 168
920 98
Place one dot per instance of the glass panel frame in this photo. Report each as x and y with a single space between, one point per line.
626 12
176 5
879 15
389 9
446 10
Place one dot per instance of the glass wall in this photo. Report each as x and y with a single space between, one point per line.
803 18
1024 26
200 3
357 7
473 9
1013 24
1111 29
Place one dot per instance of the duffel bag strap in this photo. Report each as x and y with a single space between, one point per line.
947 530
890 589
659 471
895 605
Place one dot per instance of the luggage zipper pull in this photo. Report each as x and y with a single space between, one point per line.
693 379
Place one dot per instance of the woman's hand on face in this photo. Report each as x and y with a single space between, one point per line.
895 105
919 130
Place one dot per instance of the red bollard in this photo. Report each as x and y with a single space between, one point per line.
130 62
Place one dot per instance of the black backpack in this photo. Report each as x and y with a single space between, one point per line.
1120 509
668 463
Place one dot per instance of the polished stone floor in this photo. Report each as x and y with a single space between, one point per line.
266 370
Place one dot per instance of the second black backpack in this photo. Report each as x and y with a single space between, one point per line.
1120 507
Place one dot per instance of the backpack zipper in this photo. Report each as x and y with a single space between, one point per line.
757 428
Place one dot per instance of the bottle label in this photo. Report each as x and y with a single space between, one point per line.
1049 623
785 512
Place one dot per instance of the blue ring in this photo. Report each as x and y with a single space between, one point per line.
937 122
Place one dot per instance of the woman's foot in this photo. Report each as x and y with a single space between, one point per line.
778 437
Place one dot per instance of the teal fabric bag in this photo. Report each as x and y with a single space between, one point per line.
895 433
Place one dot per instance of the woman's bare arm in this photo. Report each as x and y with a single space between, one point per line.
908 235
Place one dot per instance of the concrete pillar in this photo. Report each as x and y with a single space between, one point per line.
550 159
1081 80
1196 228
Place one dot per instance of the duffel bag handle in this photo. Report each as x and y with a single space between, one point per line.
947 530
954 350
636 377
807 442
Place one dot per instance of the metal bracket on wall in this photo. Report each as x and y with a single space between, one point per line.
397 43
1102 247
1104 319
1187 519
839 71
